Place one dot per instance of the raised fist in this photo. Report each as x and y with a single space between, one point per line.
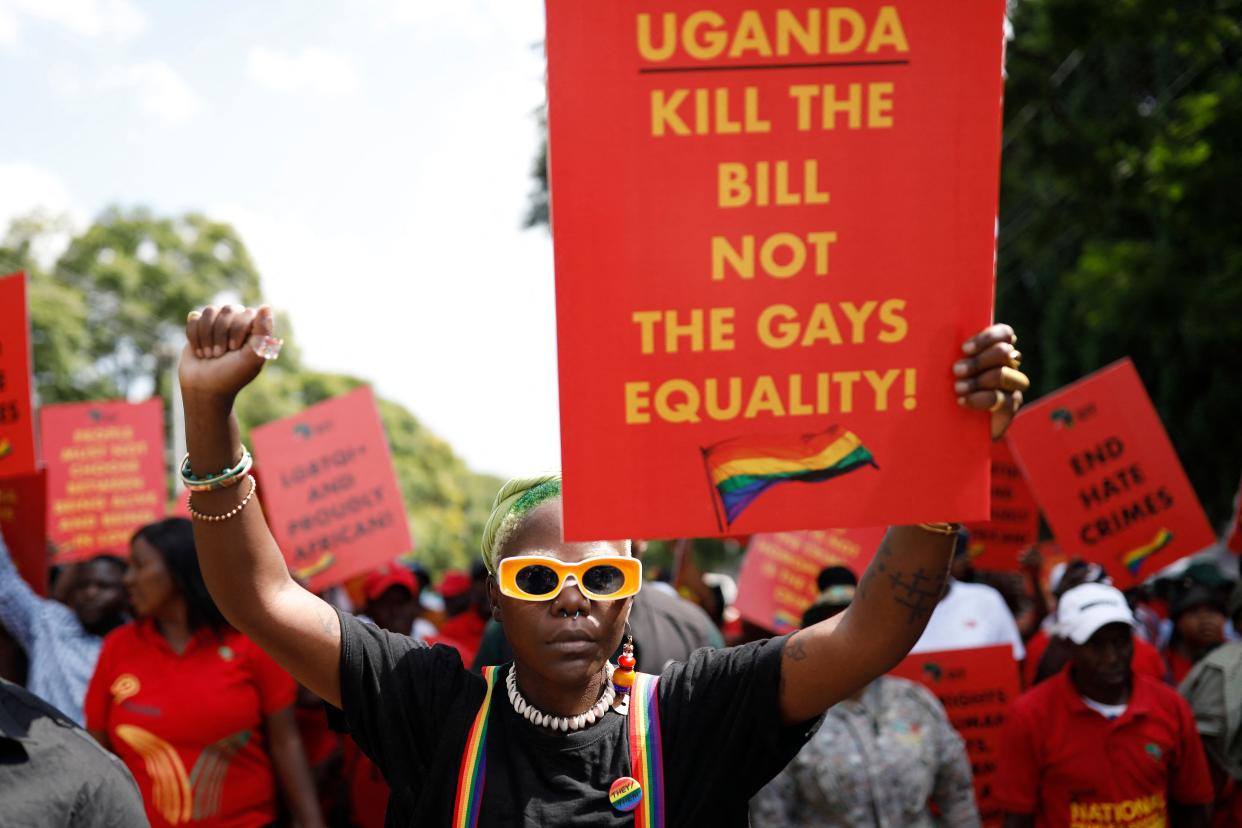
226 347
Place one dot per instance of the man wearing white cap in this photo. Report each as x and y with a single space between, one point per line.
1098 744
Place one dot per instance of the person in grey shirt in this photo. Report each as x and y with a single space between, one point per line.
877 758
54 775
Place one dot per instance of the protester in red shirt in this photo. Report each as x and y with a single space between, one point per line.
391 594
1047 655
466 616
199 714
1098 744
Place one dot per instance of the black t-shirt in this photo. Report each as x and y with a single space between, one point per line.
410 706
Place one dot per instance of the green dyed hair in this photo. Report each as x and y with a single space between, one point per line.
515 500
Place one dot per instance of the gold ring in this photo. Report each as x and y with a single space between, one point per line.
1013 380
1000 401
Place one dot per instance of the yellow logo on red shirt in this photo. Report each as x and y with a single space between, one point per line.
182 797
1143 812
125 686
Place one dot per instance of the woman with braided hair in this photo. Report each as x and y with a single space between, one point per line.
561 736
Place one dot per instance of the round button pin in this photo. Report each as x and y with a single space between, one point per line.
625 793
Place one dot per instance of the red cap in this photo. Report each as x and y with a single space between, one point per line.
389 575
454 583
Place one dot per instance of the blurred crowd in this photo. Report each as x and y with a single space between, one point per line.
1132 702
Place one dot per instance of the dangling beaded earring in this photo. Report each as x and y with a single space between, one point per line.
623 676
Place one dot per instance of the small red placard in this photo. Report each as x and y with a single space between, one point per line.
106 475
23 520
777 581
976 687
17 441
1107 478
995 544
329 490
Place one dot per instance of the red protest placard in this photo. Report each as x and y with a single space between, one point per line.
773 230
23 522
329 490
106 475
1014 526
1107 478
777 580
976 687
17 442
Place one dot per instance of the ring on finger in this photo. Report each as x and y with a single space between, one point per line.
1000 401
1012 379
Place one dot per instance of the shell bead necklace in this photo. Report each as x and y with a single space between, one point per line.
562 723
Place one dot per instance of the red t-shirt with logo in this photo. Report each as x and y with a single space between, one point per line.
190 726
1073 768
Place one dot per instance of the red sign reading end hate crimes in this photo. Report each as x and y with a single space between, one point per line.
1107 477
17 442
330 492
777 580
774 226
105 474
976 687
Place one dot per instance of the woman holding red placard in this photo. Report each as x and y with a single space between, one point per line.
561 736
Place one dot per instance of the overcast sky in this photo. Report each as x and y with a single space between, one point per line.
374 155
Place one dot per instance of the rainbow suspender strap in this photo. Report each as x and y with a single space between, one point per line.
646 755
646 758
474 761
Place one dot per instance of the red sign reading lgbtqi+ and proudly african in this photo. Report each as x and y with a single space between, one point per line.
774 227
105 474
17 441
1107 477
329 490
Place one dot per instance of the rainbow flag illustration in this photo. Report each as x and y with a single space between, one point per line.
1133 560
311 570
786 620
742 468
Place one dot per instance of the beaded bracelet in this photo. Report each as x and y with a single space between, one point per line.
941 528
223 480
231 512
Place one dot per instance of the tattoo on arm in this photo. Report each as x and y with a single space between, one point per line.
326 619
919 593
878 567
794 651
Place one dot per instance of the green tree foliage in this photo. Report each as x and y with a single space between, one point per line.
1119 235
107 322
118 296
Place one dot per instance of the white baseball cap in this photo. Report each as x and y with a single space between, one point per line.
1087 607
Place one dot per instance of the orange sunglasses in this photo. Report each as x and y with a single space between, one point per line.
540 578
